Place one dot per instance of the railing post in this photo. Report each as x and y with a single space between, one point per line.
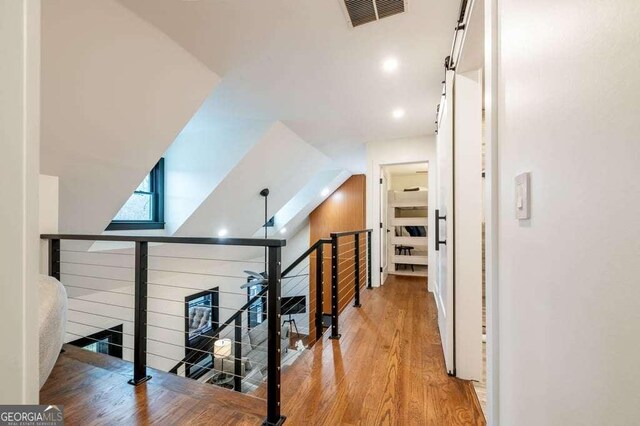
275 336
334 287
369 286
140 317
319 290
356 302
54 259
237 355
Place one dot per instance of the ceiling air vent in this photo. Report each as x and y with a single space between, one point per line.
363 11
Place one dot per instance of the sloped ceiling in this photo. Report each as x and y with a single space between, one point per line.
206 150
115 93
296 212
301 63
280 161
115 98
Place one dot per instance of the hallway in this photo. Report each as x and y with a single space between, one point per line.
387 368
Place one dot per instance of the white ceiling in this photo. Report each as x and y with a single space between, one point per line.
299 62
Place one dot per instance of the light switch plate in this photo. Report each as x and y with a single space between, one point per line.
523 196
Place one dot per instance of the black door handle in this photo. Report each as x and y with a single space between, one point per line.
438 219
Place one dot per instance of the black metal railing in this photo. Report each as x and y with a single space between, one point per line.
317 250
350 256
156 267
295 279
134 281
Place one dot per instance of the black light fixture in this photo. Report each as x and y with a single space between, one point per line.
256 278
265 194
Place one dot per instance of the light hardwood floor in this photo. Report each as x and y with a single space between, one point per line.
387 369
94 391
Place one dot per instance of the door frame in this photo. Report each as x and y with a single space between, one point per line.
492 94
383 207
492 180
384 223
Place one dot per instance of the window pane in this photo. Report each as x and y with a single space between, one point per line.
145 186
138 207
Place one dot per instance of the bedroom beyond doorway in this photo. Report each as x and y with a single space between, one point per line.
404 213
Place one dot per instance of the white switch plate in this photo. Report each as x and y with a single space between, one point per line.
523 196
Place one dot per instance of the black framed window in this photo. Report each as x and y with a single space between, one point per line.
257 311
145 208
202 318
108 342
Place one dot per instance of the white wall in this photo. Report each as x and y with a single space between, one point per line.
296 211
280 161
569 277
47 215
202 155
299 286
19 164
411 150
48 202
116 92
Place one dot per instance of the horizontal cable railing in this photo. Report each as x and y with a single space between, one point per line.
350 271
140 303
182 305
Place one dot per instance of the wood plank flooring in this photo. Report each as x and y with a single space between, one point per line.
94 391
387 369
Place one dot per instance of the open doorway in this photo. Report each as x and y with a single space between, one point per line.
404 215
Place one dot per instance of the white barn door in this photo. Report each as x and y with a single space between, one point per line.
444 262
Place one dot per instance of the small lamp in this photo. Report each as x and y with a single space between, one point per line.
222 351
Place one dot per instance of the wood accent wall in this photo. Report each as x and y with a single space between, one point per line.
344 210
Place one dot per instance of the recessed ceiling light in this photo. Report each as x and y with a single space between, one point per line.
390 65
325 192
398 113
222 232
283 230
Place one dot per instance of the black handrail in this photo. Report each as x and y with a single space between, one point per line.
251 242
273 289
347 233
304 255
140 320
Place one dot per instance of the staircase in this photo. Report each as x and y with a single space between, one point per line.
248 350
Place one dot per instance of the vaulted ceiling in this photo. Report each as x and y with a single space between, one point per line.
221 88
300 62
